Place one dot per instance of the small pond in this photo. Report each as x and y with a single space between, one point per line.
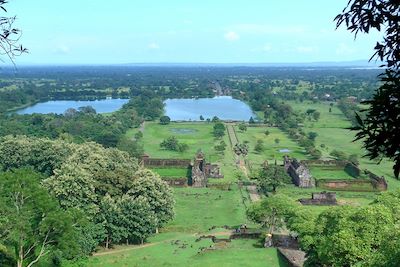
183 131
224 107
60 106
285 150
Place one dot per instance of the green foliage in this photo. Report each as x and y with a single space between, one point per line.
271 177
172 143
339 155
164 120
133 147
312 136
251 120
259 147
380 128
242 127
241 149
272 212
32 223
221 146
219 129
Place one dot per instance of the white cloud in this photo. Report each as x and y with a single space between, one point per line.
153 46
269 29
62 49
344 49
231 36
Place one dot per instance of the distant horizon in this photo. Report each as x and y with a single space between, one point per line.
344 63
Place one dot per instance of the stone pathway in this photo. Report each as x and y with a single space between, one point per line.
253 192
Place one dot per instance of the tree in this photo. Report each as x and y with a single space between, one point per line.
348 236
133 147
266 132
241 149
271 212
9 36
259 147
251 120
380 129
164 120
312 136
219 129
172 143
215 119
277 140
32 224
271 177
158 194
316 115
201 118
242 127
221 146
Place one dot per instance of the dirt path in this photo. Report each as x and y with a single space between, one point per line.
114 251
253 192
232 135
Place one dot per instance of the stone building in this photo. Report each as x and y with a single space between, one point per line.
299 173
201 171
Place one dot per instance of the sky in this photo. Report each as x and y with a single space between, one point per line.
84 32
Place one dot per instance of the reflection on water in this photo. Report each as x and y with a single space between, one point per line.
224 107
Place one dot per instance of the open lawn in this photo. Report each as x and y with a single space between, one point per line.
329 173
195 135
271 148
333 119
171 172
197 210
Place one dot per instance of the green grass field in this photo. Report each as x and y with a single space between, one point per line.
329 173
199 137
171 172
271 151
197 210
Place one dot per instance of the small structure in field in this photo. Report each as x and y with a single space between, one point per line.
202 170
299 173
322 198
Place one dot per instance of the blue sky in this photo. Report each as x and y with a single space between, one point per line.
202 31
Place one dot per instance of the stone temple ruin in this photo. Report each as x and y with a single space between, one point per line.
202 170
322 198
299 173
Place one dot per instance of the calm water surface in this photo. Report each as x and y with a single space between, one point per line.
224 107
59 106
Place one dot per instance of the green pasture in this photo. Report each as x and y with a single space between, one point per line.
199 137
329 173
197 211
171 172
271 149
333 119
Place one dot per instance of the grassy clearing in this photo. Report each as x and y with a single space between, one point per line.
333 119
329 173
271 151
197 210
171 172
199 137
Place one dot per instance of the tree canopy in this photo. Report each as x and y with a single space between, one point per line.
380 130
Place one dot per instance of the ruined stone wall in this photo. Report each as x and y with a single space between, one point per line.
176 182
358 185
150 162
319 162
323 198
